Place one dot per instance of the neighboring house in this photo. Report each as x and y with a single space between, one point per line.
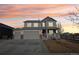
67 36
76 36
33 29
6 32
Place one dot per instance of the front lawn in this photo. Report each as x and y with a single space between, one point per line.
61 46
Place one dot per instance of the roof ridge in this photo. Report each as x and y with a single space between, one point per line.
48 18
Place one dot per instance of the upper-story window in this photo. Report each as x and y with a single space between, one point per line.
29 24
35 24
43 24
50 24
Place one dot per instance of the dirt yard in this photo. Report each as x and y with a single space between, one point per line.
62 46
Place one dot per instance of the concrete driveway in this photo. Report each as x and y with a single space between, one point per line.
22 47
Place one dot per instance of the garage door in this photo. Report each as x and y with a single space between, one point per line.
30 34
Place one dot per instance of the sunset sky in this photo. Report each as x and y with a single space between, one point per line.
14 15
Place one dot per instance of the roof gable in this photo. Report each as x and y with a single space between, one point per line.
48 19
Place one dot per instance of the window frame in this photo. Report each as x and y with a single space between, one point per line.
35 24
43 24
30 24
50 24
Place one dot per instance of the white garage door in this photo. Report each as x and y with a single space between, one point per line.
17 35
30 34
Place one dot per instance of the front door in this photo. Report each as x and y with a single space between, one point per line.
43 31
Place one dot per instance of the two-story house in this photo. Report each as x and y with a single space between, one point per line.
33 29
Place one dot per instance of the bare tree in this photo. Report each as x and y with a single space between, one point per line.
61 30
74 17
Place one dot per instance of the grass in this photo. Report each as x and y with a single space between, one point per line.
61 46
74 41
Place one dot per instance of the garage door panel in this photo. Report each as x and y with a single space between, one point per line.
31 34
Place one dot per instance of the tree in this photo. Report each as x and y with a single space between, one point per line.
74 17
60 28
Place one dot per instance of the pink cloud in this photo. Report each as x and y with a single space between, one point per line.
9 11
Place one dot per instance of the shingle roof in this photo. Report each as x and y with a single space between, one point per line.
35 28
45 19
32 21
5 26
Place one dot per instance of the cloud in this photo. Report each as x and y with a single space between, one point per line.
14 14
9 11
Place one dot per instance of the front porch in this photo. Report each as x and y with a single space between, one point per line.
50 34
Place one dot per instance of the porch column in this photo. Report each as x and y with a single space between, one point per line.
39 25
32 24
47 33
25 24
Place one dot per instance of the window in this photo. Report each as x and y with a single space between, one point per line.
35 24
50 24
29 24
50 31
43 24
